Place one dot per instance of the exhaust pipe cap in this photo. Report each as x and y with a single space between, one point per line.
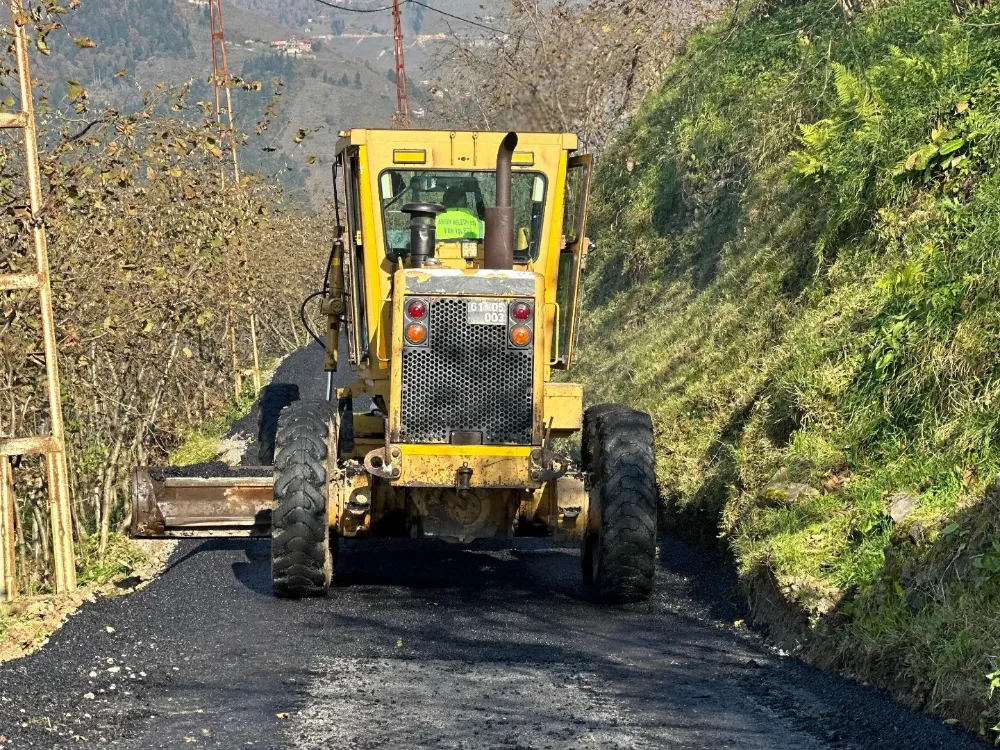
423 230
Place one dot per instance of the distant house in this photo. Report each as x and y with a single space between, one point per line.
293 47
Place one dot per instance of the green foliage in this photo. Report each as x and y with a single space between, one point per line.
5 622
119 560
200 443
796 276
158 262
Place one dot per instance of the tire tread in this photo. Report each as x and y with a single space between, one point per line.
301 560
619 455
273 399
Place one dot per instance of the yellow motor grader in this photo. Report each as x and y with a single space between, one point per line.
455 276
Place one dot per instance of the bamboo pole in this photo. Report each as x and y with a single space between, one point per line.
55 459
8 578
237 374
256 353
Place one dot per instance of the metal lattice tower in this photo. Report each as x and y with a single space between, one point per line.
53 445
220 79
402 116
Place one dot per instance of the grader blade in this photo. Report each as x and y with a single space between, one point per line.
168 503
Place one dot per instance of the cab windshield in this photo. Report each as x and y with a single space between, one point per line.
465 196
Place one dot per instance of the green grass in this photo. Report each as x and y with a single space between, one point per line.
201 444
5 622
121 558
798 280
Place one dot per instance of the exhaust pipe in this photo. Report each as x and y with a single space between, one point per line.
498 246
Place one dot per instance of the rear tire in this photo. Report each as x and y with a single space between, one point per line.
302 560
590 419
619 557
273 398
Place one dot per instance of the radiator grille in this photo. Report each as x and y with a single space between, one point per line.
465 378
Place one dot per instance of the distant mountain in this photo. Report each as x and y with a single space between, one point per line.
346 80
370 34
126 32
416 19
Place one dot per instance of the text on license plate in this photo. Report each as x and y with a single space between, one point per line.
486 312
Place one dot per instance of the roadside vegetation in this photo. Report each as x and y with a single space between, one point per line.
158 264
125 566
563 65
796 274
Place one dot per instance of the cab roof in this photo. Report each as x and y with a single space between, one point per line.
416 139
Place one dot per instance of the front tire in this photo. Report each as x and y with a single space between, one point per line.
301 557
273 399
619 552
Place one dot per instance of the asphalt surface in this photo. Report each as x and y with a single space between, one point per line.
427 645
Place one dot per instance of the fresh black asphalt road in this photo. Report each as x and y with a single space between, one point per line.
426 645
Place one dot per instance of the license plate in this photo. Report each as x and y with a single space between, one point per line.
486 312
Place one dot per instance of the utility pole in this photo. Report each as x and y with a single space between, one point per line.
402 116
220 77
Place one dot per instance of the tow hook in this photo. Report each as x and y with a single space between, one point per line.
384 463
359 504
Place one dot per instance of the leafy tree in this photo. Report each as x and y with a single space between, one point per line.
154 260
565 65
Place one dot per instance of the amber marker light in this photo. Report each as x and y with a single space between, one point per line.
416 333
520 335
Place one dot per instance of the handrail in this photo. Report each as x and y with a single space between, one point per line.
558 317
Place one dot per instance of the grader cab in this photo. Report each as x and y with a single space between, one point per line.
455 276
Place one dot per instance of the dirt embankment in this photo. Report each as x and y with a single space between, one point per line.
794 276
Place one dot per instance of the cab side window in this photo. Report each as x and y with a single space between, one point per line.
352 180
571 258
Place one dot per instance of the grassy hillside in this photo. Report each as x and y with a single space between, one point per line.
797 276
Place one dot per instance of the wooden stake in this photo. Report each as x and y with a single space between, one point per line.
256 353
237 374
8 578
54 445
